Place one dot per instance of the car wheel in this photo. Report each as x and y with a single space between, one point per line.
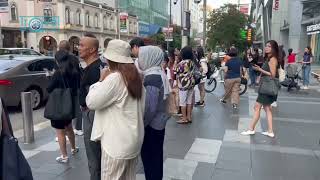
35 98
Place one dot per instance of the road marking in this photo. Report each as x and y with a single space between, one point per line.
40 126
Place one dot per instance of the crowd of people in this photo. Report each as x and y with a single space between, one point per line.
123 99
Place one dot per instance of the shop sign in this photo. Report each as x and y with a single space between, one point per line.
123 22
313 29
39 23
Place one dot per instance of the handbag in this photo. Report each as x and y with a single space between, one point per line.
60 104
282 74
14 165
269 86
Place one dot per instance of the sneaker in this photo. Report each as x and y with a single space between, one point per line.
248 132
62 159
274 104
74 151
201 104
78 132
303 87
306 87
66 139
234 106
197 103
268 134
223 101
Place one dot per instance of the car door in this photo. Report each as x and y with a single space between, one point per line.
38 73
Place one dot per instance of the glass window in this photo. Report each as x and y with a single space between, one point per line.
96 20
78 17
14 12
41 65
87 19
67 16
111 23
47 13
105 22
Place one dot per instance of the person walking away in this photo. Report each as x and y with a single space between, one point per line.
186 83
282 56
269 68
65 45
306 67
155 116
88 51
66 76
233 78
204 70
118 100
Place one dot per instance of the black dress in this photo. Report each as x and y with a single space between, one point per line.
262 98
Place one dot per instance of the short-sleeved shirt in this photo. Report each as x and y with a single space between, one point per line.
234 65
292 58
307 57
185 71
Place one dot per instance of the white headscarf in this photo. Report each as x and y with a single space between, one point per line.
149 61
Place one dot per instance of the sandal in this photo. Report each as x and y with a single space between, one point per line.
182 122
62 159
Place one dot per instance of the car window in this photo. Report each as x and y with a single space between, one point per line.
30 52
41 65
4 51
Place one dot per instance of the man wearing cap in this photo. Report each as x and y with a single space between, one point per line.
88 51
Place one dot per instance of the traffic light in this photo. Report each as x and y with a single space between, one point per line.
249 35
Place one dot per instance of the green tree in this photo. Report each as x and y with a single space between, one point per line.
224 26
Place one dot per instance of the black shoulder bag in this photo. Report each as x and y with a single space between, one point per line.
60 104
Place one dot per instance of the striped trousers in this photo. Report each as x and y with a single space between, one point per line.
117 169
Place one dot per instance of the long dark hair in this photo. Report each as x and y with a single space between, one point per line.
274 50
200 53
66 63
310 51
290 51
130 76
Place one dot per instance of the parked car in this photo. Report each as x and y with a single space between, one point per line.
19 51
25 74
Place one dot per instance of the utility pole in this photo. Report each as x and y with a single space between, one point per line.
204 23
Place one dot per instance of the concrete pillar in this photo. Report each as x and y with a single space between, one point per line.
295 17
23 39
32 41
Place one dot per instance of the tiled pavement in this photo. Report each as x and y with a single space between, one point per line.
211 148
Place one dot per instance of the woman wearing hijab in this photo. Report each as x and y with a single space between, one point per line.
155 117
118 101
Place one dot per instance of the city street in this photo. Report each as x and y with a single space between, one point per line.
211 148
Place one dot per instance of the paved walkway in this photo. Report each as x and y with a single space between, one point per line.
211 148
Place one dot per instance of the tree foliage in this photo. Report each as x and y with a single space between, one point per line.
224 26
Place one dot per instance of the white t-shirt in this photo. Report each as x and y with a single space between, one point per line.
118 120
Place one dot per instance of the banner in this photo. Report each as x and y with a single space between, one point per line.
123 22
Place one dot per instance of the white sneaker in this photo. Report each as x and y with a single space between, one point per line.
306 87
268 134
248 132
66 139
78 132
274 104
303 87
62 159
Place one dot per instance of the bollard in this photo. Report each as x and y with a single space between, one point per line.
28 131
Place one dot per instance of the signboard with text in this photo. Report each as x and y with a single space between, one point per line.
313 29
123 22
168 33
276 5
244 9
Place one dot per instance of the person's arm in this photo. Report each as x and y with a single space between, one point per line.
151 104
102 94
204 66
273 68
226 68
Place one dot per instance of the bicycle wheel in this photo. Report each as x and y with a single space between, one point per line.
243 89
210 85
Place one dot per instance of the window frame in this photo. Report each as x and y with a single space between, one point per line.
67 15
47 14
14 6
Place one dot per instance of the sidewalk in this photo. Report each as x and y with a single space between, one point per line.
211 148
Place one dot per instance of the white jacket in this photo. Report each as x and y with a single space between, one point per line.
118 120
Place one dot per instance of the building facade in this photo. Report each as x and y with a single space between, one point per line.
152 14
42 24
293 23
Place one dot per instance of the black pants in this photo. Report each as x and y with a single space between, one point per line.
93 149
152 153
